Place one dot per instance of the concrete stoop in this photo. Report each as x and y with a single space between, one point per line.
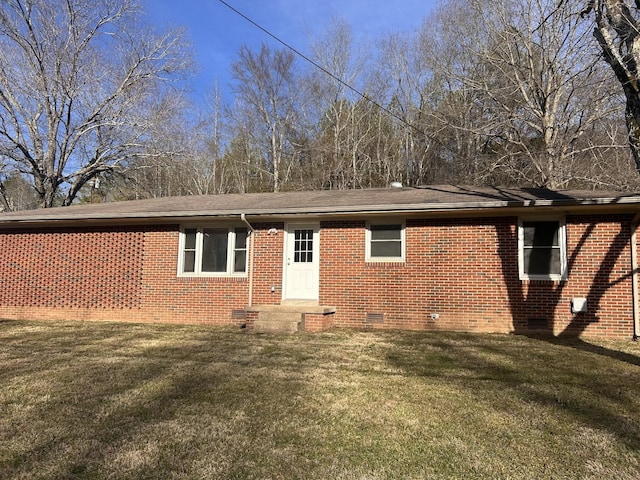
287 318
277 322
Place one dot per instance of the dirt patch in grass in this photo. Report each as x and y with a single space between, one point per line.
100 400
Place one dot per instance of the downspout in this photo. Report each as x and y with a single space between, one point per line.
634 276
250 260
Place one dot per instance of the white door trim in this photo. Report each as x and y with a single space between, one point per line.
301 272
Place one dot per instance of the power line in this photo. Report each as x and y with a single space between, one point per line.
323 69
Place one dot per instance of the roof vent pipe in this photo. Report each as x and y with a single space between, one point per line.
395 184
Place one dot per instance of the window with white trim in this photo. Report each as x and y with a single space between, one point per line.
385 242
542 249
213 251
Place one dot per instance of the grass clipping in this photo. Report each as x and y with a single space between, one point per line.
121 401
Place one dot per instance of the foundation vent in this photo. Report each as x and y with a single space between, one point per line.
537 324
238 314
375 317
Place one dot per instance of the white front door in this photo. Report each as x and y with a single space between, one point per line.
302 262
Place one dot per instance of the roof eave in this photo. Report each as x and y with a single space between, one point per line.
505 207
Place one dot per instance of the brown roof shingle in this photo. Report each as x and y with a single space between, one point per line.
434 198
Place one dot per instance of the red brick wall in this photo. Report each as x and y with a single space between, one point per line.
463 270
268 263
169 298
109 274
600 270
452 269
72 269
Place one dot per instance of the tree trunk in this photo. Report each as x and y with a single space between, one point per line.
618 35
632 115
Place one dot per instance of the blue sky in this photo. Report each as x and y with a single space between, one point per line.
217 32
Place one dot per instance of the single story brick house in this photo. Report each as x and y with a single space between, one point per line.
437 257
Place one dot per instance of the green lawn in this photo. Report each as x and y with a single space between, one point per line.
118 401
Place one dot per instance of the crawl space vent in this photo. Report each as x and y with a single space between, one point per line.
238 314
537 323
375 317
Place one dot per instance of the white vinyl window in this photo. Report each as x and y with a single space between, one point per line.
213 251
542 249
385 242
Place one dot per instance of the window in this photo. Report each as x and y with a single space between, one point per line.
385 242
211 251
303 246
542 249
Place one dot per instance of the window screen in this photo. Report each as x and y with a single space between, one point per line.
541 252
189 259
240 250
214 249
386 240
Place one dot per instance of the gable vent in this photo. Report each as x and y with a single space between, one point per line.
375 317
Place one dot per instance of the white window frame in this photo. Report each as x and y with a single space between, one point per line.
231 251
380 222
562 244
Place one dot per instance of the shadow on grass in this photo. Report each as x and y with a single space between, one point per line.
585 346
590 385
126 402
130 401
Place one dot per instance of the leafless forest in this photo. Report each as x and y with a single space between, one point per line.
487 92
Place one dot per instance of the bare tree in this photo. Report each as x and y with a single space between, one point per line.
333 102
266 99
410 85
617 30
17 192
83 86
533 84
356 143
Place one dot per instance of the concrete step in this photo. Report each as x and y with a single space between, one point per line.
292 308
280 316
275 326
275 321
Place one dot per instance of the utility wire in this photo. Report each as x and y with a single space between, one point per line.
320 67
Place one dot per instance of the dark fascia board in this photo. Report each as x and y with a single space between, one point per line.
628 204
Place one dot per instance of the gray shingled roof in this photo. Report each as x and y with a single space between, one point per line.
326 202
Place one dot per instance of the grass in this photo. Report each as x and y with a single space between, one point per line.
100 400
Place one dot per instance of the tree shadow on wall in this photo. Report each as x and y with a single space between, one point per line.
535 305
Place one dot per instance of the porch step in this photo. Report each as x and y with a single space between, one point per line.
292 307
285 318
274 321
